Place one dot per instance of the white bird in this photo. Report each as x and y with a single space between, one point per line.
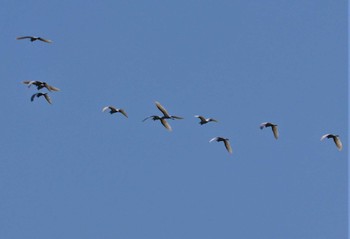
205 120
335 138
226 142
33 38
165 112
114 110
273 127
48 99
161 119
40 85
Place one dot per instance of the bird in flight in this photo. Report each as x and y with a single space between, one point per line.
226 142
48 99
40 85
273 127
205 120
113 110
161 119
165 112
335 138
33 38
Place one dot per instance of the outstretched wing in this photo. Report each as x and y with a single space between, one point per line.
324 136
44 40
33 96
123 112
48 99
176 117
215 138
165 124
162 109
105 108
200 117
262 125
29 83
24 37
228 146
275 131
51 88
338 143
152 116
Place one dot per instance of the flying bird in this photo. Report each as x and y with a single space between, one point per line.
226 142
165 112
335 138
113 110
273 127
205 120
33 38
40 84
161 119
48 99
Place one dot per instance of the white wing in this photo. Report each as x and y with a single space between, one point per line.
52 88
275 131
165 124
324 136
162 109
262 125
215 138
228 146
338 143
29 83
105 108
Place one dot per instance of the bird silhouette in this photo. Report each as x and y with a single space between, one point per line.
165 112
33 38
226 142
273 127
161 119
114 110
205 120
48 99
335 138
40 84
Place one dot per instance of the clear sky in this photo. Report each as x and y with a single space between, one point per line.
69 170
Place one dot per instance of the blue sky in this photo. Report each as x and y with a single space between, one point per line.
67 170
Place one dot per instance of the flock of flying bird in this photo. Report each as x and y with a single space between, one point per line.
163 119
